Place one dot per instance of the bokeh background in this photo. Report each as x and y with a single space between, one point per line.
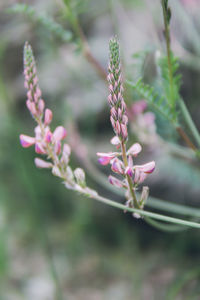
56 244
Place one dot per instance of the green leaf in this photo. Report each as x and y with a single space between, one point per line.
156 101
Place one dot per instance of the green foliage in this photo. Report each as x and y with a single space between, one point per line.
156 101
170 82
42 19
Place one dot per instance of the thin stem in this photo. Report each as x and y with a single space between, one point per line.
182 134
131 188
145 213
189 121
85 47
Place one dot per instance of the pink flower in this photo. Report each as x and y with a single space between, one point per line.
59 133
134 149
26 141
48 116
105 158
117 166
39 148
116 182
142 171
146 168
40 163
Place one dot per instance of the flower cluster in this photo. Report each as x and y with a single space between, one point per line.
47 142
122 161
118 117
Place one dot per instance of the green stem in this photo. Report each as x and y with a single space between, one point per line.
131 188
189 121
145 213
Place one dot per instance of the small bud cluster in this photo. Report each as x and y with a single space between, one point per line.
47 142
118 116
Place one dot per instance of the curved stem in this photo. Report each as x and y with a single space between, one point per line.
85 47
144 212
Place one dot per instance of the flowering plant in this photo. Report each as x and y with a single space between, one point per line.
50 143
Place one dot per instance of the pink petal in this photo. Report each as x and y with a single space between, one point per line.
39 148
59 133
40 163
26 141
117 166
116 182
48 136
146 168
48 116
105 158
115 140
57 147
134 149
129 171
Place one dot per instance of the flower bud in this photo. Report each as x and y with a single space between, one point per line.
80 176
48 116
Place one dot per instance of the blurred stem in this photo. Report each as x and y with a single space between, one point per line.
73 19
182 105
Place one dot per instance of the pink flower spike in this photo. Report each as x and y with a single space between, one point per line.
39 148
116 182
26 141
48 116
59 133
146 168
134 149
40 163
105 158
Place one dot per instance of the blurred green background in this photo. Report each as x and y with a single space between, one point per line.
56 244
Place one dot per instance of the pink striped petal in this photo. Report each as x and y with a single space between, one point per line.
26 141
